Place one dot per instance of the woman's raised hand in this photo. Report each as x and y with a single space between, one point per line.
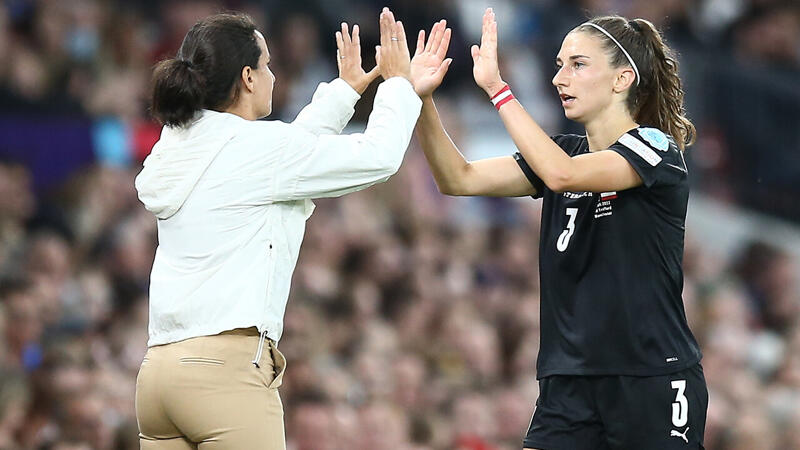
429 66
392 55
348 58
485 69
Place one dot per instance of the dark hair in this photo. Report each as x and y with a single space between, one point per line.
658 99
204 73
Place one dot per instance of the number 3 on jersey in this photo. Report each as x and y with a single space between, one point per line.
563 240
680 407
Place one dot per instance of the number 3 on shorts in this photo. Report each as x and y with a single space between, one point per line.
680 407
563 240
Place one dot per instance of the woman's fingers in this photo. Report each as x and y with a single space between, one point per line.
444 44
436 38
339 43
420 42
372 74
442 70
429 44
346 34
400 35
386 32
356 38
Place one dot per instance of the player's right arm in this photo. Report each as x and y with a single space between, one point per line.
454 175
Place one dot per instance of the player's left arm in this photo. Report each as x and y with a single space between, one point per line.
594 172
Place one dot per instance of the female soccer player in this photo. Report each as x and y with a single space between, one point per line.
232 195
618 366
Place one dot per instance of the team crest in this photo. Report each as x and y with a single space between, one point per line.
655 137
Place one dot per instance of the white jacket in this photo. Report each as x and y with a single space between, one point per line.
232 197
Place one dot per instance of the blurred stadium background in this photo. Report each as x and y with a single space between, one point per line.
413 319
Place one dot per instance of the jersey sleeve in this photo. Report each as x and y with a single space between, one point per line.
568 143
653 155
536 182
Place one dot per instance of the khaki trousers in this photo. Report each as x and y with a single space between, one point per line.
205 393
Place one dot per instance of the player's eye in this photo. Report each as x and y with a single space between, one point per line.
578 64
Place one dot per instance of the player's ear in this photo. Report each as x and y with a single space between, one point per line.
624 79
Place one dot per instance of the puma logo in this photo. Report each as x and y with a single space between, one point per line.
680 435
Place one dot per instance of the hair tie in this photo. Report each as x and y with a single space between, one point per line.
627 55
635 25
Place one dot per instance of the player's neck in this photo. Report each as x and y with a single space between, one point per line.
603 131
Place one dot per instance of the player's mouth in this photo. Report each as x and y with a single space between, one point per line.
566 99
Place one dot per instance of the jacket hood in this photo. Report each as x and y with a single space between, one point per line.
179 159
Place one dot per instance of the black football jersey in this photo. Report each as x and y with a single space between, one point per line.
610 267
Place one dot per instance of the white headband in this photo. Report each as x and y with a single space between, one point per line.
627 55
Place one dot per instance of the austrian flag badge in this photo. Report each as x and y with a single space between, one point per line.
604 205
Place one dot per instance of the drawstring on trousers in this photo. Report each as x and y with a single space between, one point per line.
261 338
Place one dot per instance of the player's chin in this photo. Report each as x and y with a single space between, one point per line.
571 114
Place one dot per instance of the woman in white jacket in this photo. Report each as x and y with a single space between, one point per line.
232 195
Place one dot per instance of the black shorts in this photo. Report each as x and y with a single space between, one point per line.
620 412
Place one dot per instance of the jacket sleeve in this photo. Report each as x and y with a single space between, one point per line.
315 166
330 109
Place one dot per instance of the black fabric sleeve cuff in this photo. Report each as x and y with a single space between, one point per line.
536 182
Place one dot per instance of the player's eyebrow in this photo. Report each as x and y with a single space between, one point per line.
573 57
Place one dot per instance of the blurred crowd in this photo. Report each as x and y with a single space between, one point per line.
413 321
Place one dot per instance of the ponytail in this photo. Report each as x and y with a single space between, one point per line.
178 89
206 72
657 100
661 104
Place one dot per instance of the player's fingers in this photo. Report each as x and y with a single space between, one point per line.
475 52
492 44
484 27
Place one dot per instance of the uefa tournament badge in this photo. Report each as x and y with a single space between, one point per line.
655 137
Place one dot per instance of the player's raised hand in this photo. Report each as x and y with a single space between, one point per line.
428 66
485 69
392 55
348 59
